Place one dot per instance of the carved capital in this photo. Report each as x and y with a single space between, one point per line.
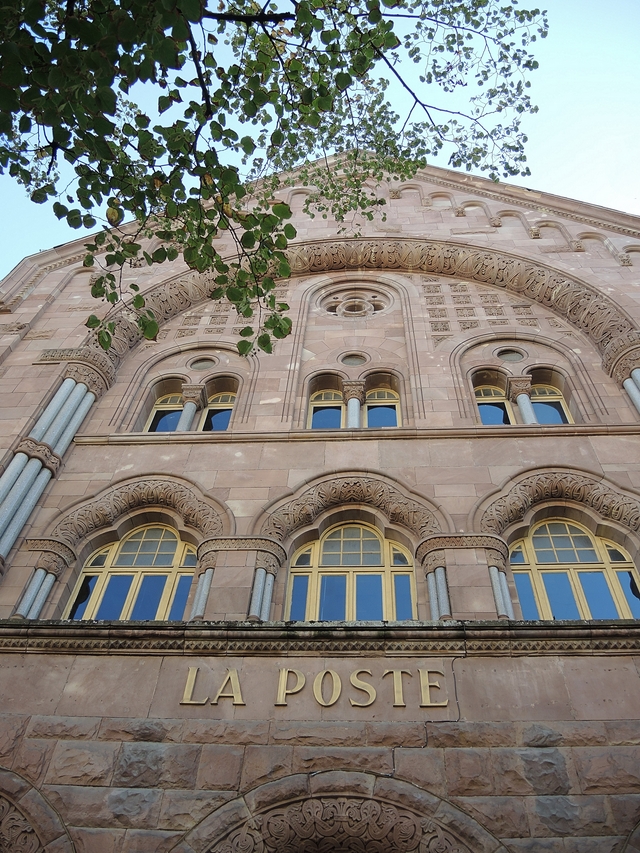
207 561
353 389
93 357
496 558
625 363
194 394
462 540
39 450
267 562
518 385
92 378
432 560
55 557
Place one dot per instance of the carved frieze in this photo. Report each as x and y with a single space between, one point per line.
339 823
97 358
16 831
463 540
53 553
244 543
562 486
39 450
150 492
348 490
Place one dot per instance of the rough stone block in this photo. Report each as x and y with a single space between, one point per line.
545 770
465 734
220 767
89 763
424 767
614 769
307 759
63 728
281 790
183 809
342 782
625 809
149 841
97 840
539 735
468 772
141 730
33 757
317 734
395 734
222 731
599 844
509 773
102 807
265 763
621 732
12 729
157 765
502 816
569 816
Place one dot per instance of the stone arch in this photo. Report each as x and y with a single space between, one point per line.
147 493
28 822
581 304
339 812
496 513
342 490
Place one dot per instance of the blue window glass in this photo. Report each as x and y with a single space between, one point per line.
176 614
493 413
326 417
560 595
148 598
549 412
368 597
402 589
217 420
299 593
114 597
382 416
525 595
598 595
164 421
631 592
84 594
333 598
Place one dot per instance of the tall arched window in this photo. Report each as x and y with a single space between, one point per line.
549 405
381 408
166 413
562 571
146 576
326 410
493 406
217 415
350 574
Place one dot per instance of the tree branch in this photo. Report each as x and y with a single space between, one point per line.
258 18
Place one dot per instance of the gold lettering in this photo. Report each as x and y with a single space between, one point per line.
234 682
283 690
336 687
425 688
367 688
187 698
398 698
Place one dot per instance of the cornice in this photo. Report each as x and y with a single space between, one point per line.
450 639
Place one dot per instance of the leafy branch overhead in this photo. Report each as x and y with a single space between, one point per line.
174 122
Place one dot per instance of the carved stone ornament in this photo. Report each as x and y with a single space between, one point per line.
89 376
432 561
338 491
194 394
39 450
622 346
245 543
339 825
518 385
353 389
496 558
207 561
624 365
149 493
463 540
16 833
562 486
267 562
94 357
55 556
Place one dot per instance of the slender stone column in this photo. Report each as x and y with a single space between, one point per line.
443 593
635 375
498 595
265 610
186 418
255 606
41 597
199 606
30 593
506 595
55 557
519 390
267 566
433 597
50 413
353 391
633 391
194 397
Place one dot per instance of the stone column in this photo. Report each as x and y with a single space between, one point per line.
267 566
353 391
194 397
55 558
499 584
633 391
206 567
433 563
519 391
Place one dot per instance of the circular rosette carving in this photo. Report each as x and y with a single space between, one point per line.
340 825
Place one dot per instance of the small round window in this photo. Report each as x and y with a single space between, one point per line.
510 355
203 363
353 359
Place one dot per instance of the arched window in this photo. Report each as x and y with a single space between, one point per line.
351 573
145 576
493 406
218 413
549 405
326 410
166 414
381 408
562 571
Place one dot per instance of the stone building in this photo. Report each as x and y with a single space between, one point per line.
375 591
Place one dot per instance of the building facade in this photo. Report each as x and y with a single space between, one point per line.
375 591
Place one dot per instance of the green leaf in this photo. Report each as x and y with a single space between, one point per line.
289 231
92 322
248 240
138 301
104 339
244 347
247 332
283 211
343 80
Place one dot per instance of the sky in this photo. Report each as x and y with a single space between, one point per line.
582 144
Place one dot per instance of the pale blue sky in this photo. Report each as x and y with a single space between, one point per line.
582 143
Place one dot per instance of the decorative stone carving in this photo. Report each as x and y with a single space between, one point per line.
620 346
432 560
534 232
16 832
54 554
11 328
347 490
39 450
194 394
341 825
353 389
562 486
463 540
94 357
496 558
394 194
207 561
92 378
245 543
267 562
495 222
518 385
149 492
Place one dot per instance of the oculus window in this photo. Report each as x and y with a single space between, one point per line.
166 414
326 410
381 409
351 574
144 577
562 571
